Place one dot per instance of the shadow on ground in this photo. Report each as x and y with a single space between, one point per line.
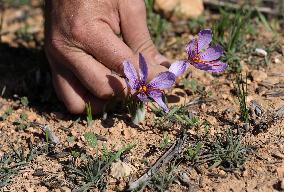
25 72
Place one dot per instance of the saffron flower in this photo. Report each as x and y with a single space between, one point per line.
201 55
152 90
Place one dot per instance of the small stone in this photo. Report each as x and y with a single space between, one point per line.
184 178
261 52
245 173
258 76
212 120
120 169
222 173
203 106
280 171
277 60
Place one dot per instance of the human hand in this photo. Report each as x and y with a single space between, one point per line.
83 48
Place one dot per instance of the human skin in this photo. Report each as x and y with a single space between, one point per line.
85 51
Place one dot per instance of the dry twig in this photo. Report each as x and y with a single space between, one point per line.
173 151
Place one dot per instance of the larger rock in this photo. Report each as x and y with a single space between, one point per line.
181 8
120 169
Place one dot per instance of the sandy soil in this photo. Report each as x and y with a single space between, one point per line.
24 72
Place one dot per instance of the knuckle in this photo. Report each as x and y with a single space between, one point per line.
79 29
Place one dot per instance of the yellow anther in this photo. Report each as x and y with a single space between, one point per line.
197 59
144 88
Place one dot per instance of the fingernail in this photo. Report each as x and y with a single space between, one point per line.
162 60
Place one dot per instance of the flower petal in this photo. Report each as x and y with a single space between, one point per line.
163 80
219 66
131 74
216 66
191 48
143 68
178 67
212 53
156 95
204 39
143 97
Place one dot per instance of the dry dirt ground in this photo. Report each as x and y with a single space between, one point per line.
24 72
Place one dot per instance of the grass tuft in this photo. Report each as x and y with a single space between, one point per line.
228 151
11 163
92 170
230 31
162 181
165 141
178 115
89 114
241 87
157 25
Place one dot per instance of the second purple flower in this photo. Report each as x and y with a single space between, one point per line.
201 55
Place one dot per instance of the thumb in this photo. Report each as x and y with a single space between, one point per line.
135 32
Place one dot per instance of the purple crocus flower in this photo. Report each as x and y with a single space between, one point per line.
152 90
201 55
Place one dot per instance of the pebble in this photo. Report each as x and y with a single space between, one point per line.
212 120
245 173
222 173
277 60
261 52
184 178
120 169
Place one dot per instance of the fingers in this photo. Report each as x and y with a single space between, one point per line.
73 93
94 76
135 31
108 49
